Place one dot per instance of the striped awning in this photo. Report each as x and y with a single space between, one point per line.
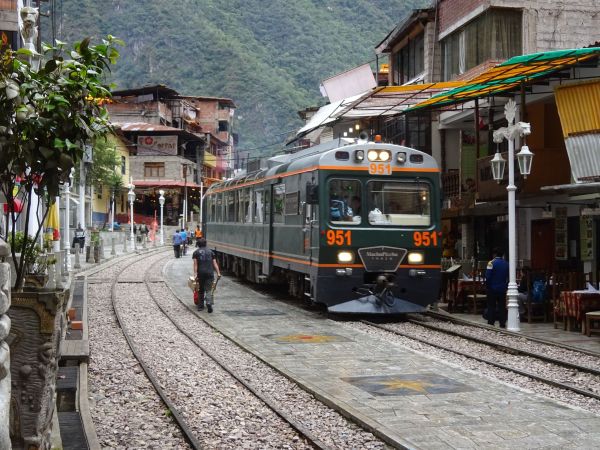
510 74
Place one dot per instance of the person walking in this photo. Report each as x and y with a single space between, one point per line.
496 281
183 235
197 233
177 244
205 265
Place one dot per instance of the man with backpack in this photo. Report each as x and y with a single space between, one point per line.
205 264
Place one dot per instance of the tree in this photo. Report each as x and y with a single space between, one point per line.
46 117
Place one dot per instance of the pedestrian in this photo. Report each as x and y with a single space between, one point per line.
183 235
197 233
79 237
177 244
496 281
205 265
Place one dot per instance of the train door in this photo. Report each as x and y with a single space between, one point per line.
311 222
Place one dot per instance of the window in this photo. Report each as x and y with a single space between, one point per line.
345 202
399 203
154 170
278 202
496 35
99 191
258 206
229 206
409 61
292 203
123 165
219 208
244 204
223 125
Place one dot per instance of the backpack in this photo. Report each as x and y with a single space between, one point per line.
204 257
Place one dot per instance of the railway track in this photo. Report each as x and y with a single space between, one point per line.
565 375
178 414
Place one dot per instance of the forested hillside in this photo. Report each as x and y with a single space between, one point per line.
268 55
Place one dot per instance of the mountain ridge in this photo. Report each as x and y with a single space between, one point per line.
269 56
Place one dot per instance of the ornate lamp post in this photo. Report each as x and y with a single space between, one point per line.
131 197
510 133
67 226
161 201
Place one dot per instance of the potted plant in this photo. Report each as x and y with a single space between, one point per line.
95 244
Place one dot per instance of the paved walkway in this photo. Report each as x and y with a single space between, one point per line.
420 402
547 331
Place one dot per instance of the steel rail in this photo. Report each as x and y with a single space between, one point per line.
487 361
176 414
461 321
507 348
301 429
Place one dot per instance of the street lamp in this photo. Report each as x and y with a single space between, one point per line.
131 197
525 157
161 201
66 239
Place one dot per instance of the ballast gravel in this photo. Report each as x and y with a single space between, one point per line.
220 411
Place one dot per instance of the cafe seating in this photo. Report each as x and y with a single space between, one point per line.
477 294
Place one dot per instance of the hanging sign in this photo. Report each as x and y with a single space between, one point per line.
163 145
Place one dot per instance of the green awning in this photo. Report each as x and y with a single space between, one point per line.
510 75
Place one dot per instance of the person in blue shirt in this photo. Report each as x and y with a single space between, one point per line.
183 236
496 281
177 244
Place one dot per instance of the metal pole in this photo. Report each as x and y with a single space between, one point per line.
512 293
67 238
112 211
162 228
201 196
81 206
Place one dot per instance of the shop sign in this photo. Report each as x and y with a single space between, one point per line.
165 145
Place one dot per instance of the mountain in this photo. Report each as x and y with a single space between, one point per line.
269 56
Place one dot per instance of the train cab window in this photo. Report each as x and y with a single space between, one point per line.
278 202
345 202
399 203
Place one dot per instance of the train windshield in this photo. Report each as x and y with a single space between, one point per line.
344 202
399 203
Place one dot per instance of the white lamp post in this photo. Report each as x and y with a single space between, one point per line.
112 210
161 201
510 133
131 197
67 226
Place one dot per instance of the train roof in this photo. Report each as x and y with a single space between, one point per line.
324 156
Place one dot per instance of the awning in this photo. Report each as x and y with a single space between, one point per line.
510 75
381 101
391 100
573 188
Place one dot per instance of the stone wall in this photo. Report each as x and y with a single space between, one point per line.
5 285
38 321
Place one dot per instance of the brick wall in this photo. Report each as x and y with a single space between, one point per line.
451 11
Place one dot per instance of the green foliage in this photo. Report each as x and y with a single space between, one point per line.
269 56
104 160
46 117
32 251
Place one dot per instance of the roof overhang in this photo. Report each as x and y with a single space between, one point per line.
512 74
155 130
418 16
574 188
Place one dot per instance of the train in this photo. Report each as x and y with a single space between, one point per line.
354 226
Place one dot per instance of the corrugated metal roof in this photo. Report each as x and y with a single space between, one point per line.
584 156
579 107
144 126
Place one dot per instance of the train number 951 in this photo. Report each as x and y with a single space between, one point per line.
339 237
425 238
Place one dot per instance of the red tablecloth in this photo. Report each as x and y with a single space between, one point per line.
578 303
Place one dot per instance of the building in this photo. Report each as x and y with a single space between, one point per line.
178 144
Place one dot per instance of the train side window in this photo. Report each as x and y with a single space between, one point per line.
258 206
278 202
219 208
292 204
230 206
345 199
209 209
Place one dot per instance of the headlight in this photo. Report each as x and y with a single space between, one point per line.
345 257
401 157
359 155
416 258
378 155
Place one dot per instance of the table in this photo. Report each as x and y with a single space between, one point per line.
468 287
577 303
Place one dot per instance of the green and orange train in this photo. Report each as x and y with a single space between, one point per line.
355 227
